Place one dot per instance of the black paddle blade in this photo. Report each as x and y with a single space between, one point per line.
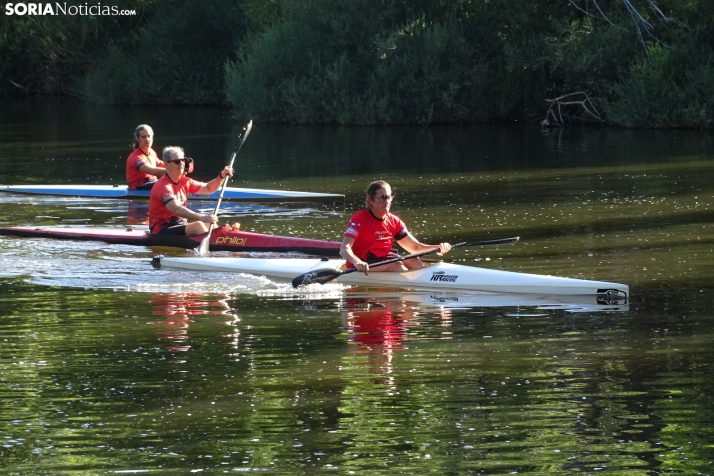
319 276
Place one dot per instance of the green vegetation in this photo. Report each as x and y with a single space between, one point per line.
378 62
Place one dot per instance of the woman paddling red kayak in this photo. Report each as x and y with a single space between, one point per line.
167 205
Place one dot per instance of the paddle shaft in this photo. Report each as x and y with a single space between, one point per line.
223 186
502 241
203 248
325 275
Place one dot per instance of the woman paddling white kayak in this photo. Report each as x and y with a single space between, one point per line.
372 231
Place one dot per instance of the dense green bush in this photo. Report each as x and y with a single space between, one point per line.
48 55
365 62
376 61
412 75
177 59
674 89
352 62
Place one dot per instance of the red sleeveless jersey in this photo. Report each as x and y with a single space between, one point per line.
162 193
134 176
374 238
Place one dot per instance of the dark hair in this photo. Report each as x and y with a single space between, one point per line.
372 189
137 131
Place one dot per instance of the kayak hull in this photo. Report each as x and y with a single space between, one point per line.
122 191
436 275
222 239
475 299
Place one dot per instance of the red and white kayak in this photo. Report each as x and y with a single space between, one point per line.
222 239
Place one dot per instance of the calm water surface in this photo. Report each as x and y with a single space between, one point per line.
110 366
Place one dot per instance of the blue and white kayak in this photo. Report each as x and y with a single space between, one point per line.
435 275
122 191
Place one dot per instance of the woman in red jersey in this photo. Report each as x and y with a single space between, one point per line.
372 232
143 166
167 204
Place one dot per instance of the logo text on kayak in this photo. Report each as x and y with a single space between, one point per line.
232 240
443 277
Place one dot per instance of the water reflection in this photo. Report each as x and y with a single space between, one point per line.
382 323
349 380
179 311
380 327
137 213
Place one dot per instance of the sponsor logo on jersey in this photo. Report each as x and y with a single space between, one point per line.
383 235
352 229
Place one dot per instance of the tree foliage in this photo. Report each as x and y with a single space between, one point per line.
643 63
49 54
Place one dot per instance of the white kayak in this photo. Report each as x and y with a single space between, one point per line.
435 275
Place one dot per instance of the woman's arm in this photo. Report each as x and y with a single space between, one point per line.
411 244
348 255
212 186
189 214
147 169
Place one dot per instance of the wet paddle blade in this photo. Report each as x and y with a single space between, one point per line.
205 243
319 276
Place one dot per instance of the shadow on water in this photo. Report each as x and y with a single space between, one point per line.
90 144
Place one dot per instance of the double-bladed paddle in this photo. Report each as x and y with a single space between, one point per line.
322 276
203 248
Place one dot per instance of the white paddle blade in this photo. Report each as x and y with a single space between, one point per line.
205 242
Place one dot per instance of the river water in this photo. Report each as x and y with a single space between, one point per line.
109 366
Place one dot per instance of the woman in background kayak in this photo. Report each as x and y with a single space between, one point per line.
167 204
143 166
372 231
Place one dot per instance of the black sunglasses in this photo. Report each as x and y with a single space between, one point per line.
185 160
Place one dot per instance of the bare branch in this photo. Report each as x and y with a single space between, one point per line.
578 7
662 16
657 11
605 16
581 101
643 28
635 14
